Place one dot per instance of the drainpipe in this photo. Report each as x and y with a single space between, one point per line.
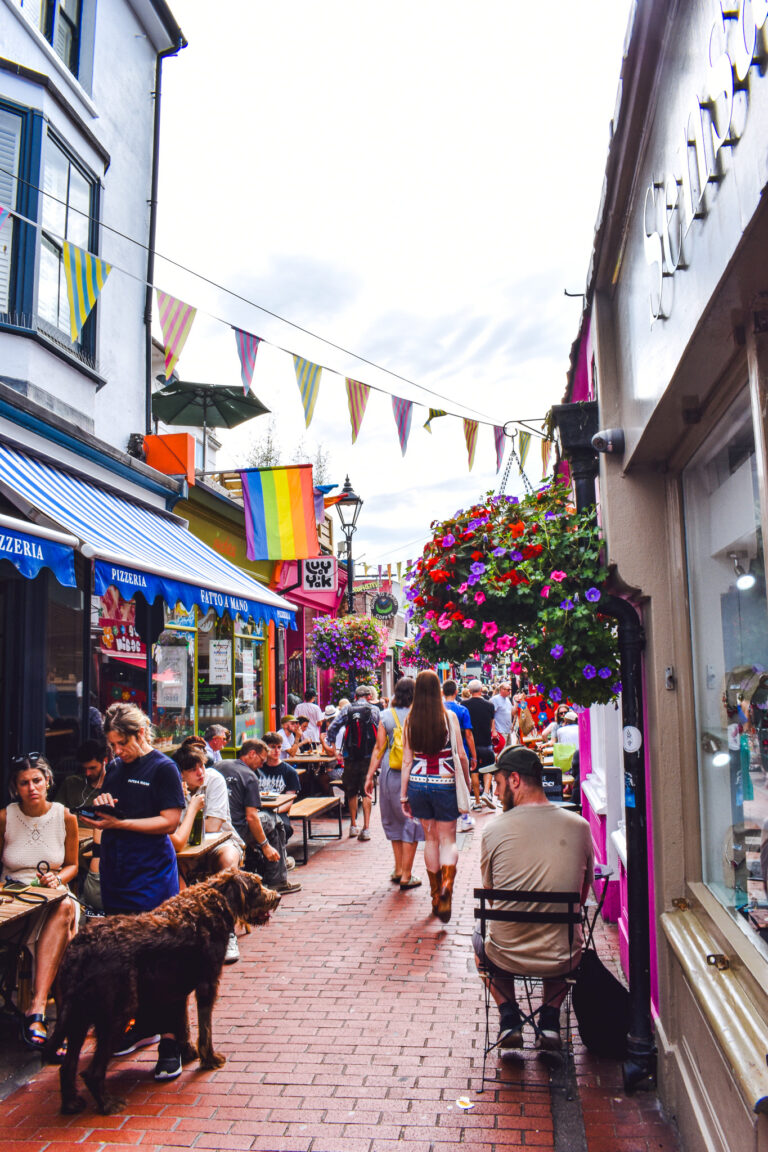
577 424
180 43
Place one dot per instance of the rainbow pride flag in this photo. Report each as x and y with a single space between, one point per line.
280 513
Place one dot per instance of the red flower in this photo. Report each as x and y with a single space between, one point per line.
517 529
457 616
439 576
449 604
477 555
531 550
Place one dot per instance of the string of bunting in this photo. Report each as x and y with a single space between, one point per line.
86 275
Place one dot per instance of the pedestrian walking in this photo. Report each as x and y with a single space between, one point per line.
403 832
503 711
433 755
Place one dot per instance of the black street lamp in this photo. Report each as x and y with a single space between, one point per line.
348 508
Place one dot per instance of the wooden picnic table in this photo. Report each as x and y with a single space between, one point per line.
15 909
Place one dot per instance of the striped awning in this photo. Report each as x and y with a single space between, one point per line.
135 548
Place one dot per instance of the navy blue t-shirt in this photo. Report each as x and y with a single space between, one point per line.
138 871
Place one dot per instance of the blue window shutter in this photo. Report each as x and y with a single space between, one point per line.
10 152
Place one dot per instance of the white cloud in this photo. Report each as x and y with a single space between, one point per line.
416 182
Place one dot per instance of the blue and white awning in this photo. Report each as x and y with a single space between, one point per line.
30 549
138 549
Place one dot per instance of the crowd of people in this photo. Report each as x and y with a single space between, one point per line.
437 752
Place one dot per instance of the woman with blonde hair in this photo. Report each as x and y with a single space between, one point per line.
433 753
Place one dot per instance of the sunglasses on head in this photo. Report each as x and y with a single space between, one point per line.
31 758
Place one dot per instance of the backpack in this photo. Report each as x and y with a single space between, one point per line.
360 738
601 1008
396 747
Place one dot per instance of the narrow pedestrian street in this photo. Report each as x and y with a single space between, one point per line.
352 1023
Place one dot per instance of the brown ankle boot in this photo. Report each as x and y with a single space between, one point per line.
435 884
443 909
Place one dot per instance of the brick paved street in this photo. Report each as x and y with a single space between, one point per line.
353 1023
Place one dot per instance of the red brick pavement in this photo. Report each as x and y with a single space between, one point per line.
352 1023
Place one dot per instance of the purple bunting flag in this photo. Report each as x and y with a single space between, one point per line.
403 410
247 347
498 439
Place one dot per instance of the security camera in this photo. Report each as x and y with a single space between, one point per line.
609 440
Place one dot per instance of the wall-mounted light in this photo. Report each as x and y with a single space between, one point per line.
744 580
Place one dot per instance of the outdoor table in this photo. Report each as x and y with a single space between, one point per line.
16 908
271 802
311 762
210 840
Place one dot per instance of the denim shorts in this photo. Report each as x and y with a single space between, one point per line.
433 801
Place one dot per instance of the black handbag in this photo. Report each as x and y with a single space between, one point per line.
601 1008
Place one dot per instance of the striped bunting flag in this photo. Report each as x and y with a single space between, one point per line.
433 414
86 276
498 439
546 448
176 319
4 214
399 571
308 379
470 436
403 410
523 444
357 397
247 347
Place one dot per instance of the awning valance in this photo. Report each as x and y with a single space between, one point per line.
138 549
30 549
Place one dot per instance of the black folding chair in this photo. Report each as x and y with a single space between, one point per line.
498 904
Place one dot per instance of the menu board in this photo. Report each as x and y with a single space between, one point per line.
247 659
220 655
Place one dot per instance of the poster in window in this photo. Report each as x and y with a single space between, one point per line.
247 657
171 676
221 662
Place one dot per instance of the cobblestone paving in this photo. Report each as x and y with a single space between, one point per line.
352 1023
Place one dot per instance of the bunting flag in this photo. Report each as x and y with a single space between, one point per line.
86 276
4 214
247 347
308 379
403 410
279 513
470 436
433 414
380 571
389 571
523 444
357 398
176 319
498 439
399 571
546 448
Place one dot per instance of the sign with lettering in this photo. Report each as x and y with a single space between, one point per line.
29 554
220 654
319 574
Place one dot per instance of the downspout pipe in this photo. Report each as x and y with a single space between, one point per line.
180 42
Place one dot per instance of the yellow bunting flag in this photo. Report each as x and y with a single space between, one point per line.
357 398
86 276
433 414
470 436
399 571
308 379
523 444
176 319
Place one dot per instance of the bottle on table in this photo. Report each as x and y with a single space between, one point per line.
198 825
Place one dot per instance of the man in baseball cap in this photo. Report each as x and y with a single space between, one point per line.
531 846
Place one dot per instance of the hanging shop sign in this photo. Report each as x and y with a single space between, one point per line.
319 574
715 120
384 606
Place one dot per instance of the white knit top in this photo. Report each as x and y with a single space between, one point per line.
30 839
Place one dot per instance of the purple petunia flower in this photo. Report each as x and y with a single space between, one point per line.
557 650
555 694
550 515
499 552
516 556
473 580
477 568
567 605
589 671
616 688
448 541
604 673
593 595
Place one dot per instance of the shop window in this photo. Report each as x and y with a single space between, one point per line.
118 651
249 681
173 678
63 674
214 671
729 627
20 132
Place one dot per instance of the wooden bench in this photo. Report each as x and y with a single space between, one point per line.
308 810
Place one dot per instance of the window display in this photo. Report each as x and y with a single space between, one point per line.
214 670
173 678
118 650
249 681
729 626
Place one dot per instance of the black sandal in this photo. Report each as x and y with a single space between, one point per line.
34 1039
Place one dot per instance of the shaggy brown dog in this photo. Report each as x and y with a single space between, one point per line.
143 968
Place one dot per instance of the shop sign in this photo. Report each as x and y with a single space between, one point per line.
715 120
384 606
319 574
119 636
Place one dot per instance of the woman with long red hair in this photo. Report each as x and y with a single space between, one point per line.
433 752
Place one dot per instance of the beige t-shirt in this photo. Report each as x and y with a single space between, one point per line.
536 847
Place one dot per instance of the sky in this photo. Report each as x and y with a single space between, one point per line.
416 183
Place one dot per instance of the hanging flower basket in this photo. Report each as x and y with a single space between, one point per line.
348 643
522 577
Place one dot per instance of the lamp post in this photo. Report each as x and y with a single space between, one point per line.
348 508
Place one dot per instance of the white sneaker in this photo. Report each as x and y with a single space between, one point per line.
466 823
488 799
232 954
290 863
354 830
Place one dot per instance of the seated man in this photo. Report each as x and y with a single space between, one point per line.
289 736
205 788
305 744
81 787
262 831
537 846
280 778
